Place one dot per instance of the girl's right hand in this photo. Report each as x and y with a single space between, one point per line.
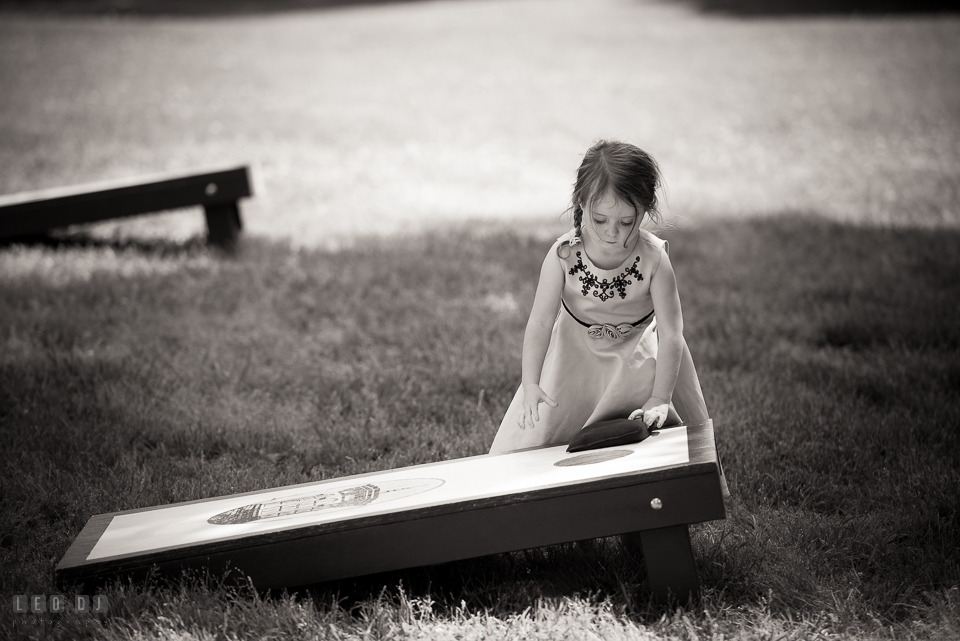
533 395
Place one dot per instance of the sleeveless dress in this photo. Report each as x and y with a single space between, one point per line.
601 360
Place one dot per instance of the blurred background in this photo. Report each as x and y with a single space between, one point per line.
811 152
382 117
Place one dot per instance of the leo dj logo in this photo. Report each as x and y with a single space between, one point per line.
57 604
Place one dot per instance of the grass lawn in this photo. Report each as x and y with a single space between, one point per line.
406 115
365 325
146 374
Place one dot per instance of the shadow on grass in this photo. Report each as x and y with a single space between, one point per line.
828 355
797 8
508 583
156 246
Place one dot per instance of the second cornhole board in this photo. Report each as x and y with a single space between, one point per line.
426 514
218 191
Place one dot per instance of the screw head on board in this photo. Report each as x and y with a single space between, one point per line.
656 504
211 189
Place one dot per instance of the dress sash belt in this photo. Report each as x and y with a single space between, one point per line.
607 330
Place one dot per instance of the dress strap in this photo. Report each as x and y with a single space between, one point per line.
606 330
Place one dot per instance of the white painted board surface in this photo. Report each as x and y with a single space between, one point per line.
367 495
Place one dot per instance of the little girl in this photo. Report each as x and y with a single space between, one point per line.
605 335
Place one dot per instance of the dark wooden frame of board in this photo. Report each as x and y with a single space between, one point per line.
616 505
32 214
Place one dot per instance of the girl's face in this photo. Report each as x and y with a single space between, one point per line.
609 221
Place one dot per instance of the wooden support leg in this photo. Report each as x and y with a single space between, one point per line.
223 224
671 570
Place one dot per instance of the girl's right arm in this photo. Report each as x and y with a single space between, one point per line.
536 338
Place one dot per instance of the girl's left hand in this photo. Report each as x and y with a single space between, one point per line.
654 412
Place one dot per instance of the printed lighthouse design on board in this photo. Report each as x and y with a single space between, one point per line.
333 499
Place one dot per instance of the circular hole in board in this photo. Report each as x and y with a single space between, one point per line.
593 457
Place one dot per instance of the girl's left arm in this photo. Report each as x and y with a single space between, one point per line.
666 305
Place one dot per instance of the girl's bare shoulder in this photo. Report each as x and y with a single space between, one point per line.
651 249
651 241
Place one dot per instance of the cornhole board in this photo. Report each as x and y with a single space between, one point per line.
217 190
427 514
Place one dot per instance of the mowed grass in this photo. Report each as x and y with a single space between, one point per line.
386 117
147 373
